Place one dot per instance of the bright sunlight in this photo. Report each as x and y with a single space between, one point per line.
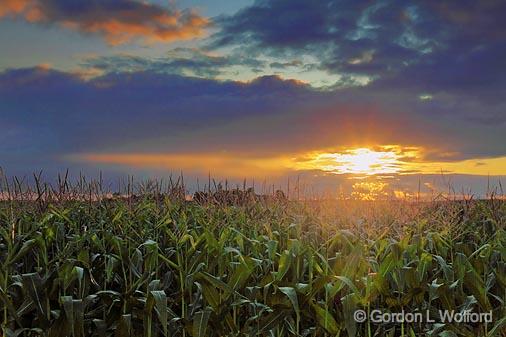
360 161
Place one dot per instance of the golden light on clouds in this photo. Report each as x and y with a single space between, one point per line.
142 21
360 162
395 159
478 166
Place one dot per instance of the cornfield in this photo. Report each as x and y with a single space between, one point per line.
160 265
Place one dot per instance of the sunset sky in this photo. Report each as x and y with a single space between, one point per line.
374 97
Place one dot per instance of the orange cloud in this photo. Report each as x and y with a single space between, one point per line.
118 23
13 7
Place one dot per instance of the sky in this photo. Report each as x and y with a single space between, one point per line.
365 99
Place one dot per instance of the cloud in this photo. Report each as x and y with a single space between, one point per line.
282 65
47 112
380 34
181 61
130 108
118 21
453 51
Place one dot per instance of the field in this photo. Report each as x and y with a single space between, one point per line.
162 265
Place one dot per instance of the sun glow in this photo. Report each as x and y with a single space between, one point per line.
371 190
356 163
360 161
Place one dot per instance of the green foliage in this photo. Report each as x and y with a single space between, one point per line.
177 268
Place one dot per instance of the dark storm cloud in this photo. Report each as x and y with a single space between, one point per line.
46 115
454 49
118 21
45 111
339 32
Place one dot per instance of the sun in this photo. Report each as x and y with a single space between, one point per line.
360 161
